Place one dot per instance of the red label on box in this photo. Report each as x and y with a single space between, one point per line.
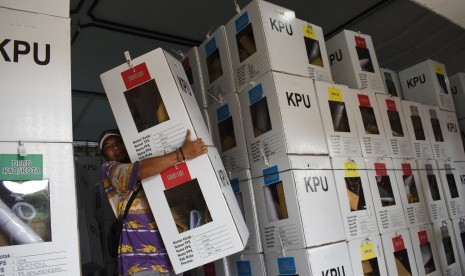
398 244
135 76
209 269
380 169
360 42
175 175
423 237
407 168
186 64
364 100
391 105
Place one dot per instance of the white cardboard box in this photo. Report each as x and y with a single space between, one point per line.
425 249
385 193
462 131
315 46
457 87
36 77
153 105
297 203
48 7
391 82
247 264
411 191
264 37
330 259
436 130
191 65
207 120
395 127
447 248
241 183
459 232
217 268
451 174
215 65
336 105
367 256
353 61
45 204
427 82
416 128
452 135
355 200
198 188
398 253
281 116
369 125
432 190
228 132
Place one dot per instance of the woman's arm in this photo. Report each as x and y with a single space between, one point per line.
155 165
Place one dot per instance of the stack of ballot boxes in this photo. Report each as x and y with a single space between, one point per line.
37 184
193 202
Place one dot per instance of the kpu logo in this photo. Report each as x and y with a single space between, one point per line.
337 56
312 183
337 271
280 26
415 80
296 99
451 127
23 48
184 86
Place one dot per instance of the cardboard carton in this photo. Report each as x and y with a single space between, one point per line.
297 203
432 190
355 199
416 128
191 65
264 37
336 107
330 259
425 249
215 66
369 125
315 46
427 83
395 127
281 117
49 7
452 136
38 209
353 61
385 193
398 253
457 87
391 82
436 130
451 174
367 256
411 191
36 76
228 132
447 248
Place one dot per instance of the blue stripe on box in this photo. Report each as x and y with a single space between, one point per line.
235 185
210 46
286 266
244 268
271 175
242 21
255 94
222 113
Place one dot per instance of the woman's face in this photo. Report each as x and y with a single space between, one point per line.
113 149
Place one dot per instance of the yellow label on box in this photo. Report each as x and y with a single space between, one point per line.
368 251
309 32
439 69
335 94
351 169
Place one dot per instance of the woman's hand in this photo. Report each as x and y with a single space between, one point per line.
192 149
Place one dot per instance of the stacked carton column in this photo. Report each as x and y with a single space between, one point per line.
36 154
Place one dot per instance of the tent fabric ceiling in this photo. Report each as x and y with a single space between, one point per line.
403 32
